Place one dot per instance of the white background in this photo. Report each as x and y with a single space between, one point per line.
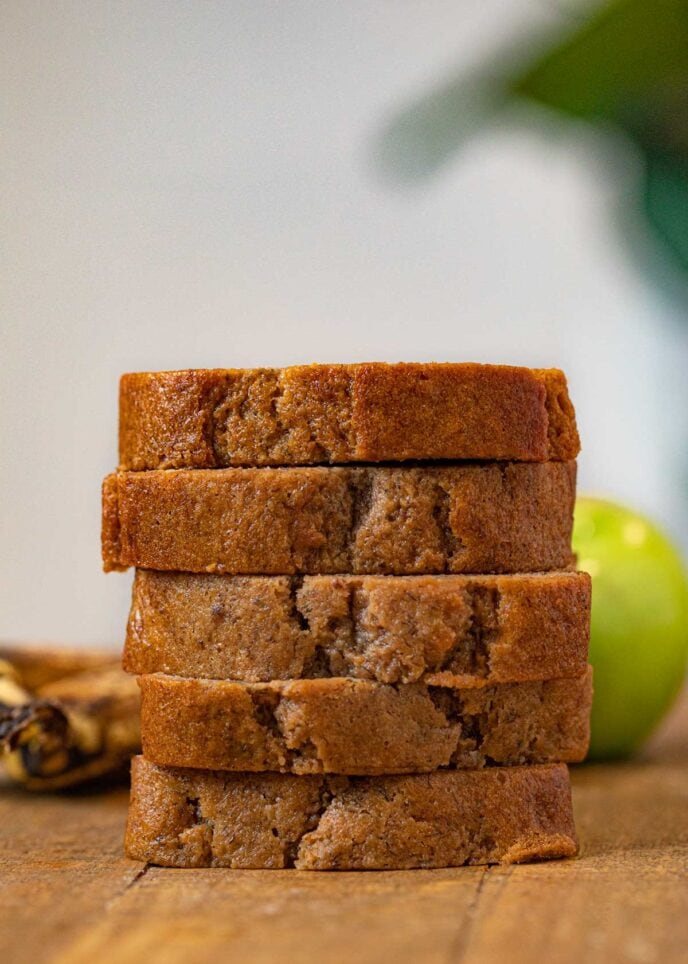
193 184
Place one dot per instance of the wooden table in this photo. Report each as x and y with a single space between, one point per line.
68 894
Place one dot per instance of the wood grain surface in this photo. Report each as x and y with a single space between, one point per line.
68 894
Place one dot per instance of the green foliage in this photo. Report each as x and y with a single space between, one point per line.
666 202
629 65
630 52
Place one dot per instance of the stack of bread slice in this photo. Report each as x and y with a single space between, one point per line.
360 638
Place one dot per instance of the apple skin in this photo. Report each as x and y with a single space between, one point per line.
639 628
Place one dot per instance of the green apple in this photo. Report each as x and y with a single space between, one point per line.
639 631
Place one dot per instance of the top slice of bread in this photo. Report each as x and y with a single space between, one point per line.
327 414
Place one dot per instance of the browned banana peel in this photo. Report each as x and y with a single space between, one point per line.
78 721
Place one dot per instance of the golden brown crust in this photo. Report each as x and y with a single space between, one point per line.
495 517
187 818
320 414
357 727
561 416
451 630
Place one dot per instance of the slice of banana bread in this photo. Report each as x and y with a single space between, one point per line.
357 727
314 414
457 630
191 818
498 517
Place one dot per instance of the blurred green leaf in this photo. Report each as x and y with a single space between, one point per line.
629 65
616 63
422 136
666 202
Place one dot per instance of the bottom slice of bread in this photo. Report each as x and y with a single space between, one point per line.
192 818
